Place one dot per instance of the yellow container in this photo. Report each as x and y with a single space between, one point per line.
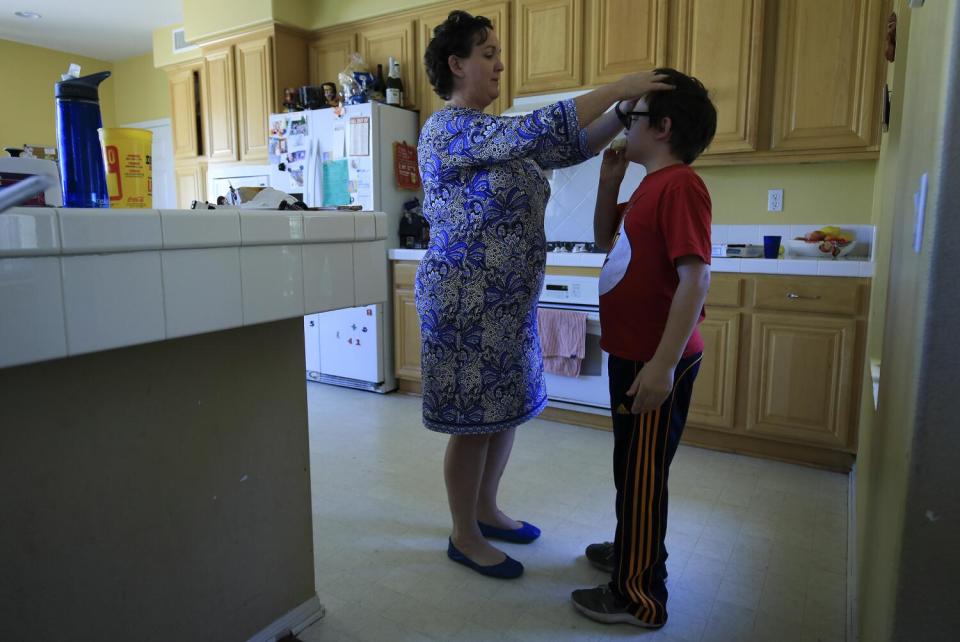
127 156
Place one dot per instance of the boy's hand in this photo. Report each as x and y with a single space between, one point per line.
640 84
651 388
613 167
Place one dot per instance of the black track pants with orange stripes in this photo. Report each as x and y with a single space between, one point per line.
644 446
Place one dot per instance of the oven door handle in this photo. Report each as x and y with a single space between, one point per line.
593 314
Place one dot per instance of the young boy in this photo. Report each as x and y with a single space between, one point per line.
652 289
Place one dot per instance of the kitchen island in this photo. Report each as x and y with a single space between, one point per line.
153 421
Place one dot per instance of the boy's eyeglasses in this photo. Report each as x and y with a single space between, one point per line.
627 117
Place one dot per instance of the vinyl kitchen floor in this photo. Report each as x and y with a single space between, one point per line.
757 548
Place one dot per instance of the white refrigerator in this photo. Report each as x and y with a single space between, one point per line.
346 158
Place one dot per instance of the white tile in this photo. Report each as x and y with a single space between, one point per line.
403 254
29 231
272 282
798 266
264 228
720 264
84 231
719 233
838 268
201 290
328 277
760 266
329 226
366 226
31 315
198 228
370 259
380 222
744 234
112 300
783 231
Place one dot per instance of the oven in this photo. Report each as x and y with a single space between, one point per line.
588 392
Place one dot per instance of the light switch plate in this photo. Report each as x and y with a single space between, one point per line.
920 206
775 200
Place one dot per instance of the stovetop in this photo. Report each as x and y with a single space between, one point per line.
575 247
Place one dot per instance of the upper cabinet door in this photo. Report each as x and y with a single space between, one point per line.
254 96
220 104
624 36
184 111
498 13
827 83
382 40
547 46
721 43
329 55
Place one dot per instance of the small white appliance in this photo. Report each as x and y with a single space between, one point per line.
588 392
332 157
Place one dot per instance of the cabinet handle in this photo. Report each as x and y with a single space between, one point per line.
793 296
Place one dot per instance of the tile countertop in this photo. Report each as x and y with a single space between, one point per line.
808 267
75 281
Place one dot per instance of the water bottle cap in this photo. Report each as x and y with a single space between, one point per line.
85 87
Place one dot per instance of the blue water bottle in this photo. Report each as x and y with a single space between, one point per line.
82 172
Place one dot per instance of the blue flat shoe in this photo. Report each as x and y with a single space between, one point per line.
508 569
523 535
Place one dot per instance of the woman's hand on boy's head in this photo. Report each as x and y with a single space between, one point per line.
634 86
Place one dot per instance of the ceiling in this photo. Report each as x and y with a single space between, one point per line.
103 29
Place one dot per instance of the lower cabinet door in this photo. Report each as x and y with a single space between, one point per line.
407 334
715 389
802 378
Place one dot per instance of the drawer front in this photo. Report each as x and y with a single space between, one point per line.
830 295
404 273
725 291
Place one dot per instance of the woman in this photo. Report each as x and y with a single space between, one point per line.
478 284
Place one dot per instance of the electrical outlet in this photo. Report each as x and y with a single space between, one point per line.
775 200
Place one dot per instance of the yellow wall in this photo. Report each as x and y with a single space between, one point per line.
205 19
142 91
329 13
27 114
297 13
163 48
885 466
812 193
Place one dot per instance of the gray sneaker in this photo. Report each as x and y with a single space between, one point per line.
602 605
601 556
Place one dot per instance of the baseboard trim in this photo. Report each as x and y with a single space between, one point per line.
294 621
853 595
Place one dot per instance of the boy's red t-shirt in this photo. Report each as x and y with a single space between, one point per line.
667 217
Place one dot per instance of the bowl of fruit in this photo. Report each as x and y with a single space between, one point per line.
826 243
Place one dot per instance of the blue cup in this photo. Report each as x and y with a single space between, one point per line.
771 247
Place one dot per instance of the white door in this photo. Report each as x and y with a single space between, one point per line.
164 183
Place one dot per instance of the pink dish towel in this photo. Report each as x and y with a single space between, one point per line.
563 338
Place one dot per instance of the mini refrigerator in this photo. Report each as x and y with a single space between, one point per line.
346 158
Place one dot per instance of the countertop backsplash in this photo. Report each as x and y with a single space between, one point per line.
569 214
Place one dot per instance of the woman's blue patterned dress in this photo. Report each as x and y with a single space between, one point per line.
478 284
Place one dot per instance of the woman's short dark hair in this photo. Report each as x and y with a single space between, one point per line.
692 115
456 36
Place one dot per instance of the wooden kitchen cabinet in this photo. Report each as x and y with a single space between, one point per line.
379 40
330 54
191 182
498 13
406 322
721 44
219 103
801 378
185 109
828 74
622 37
547 46
255 93
715 388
